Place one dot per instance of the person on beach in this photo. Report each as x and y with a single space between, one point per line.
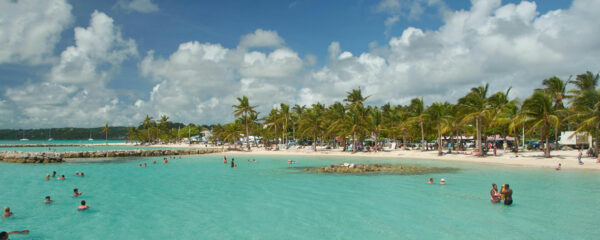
47 199
7 212
76 193
232 164
559 167
507 195
47 177
430 181
83 206
579 157
495 195
62 177
4 235
443 181
53 174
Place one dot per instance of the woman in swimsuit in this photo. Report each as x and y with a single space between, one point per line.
495 195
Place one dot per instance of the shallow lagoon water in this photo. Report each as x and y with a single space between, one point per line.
198 197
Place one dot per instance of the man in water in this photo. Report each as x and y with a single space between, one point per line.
48 200
81 175
232 164
224 160
4 235
507 195
83 206
495 195
145 165
443 181
7 212
76 193
140 166
54 172
61 177
430 181
47 177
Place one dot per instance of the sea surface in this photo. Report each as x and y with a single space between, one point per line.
82 145
199 197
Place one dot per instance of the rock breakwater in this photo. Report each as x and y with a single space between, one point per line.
57 157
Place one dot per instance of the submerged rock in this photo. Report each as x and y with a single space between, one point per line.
378 168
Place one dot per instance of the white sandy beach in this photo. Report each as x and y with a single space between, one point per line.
568 159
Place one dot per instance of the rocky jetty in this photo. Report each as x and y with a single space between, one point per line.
46 145
352 168
57 157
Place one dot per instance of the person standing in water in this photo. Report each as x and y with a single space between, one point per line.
76 192
54 172
224 160
7 212
507 195
579 157
559 167
47 200
495 195
232 164
430 181
83 206
47 177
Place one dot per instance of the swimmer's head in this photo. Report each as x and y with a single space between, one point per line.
493 185
3 235
6 209
507 186
47 197
83 202
75 190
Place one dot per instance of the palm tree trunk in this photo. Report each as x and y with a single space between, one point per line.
479 149
517 142
276 139
354 141
315 142
439 138
547 150
405 146
597 146
247 133
422 136
556 138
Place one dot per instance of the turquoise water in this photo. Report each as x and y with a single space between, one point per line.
33 142
84 146
198 197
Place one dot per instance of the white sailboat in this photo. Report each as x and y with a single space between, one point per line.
90 139
23 139
50 135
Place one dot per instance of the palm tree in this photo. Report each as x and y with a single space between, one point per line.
436 112
557 89
358 112
474 107
147 123
162 124
272 121
297 111
587 108
375 122
584 82
417 109
538 111
105 130
232 132
243 109
285 114
337 118
310 123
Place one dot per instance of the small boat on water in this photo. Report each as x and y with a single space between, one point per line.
90 139
23 139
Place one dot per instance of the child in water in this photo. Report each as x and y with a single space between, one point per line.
83 206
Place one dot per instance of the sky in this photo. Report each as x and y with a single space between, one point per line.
86 63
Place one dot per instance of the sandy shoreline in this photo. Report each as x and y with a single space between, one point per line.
531 159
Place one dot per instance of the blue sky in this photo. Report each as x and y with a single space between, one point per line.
299 50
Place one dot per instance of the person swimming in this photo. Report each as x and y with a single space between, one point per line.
47 199
4 235
83 206
7 212
81 175
165 161
47 177
53 174
507 195
232 164
76 173
145 165
430 181
140 166
254 160
76 193
494 194
62 177
443 181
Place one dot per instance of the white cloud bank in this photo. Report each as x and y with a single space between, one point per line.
30 29
505 45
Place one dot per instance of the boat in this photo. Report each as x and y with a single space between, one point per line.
90 139
50 136
23 139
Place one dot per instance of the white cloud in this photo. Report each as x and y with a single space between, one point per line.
30 29
100 43
261 38
143 6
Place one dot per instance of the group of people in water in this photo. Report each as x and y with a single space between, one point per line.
47 200
504 194
233 164
442 181
165 161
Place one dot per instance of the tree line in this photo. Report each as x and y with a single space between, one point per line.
557 105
